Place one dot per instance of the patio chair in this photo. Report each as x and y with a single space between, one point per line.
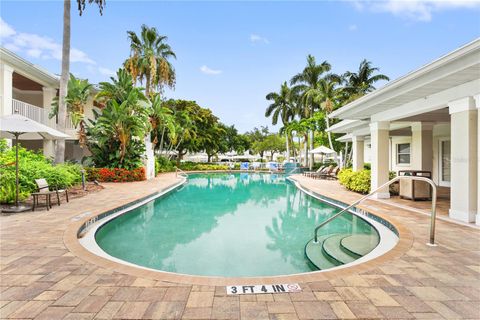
331 174
309 173
256 165
44 190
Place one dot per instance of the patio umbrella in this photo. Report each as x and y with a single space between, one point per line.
322 150
12 127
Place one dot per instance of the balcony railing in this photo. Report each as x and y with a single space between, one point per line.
37 114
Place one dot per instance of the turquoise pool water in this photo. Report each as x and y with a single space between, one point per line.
222 224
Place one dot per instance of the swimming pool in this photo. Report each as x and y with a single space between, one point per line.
231 225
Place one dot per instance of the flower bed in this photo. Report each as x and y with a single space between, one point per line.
115 174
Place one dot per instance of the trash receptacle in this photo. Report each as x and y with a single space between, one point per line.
415 189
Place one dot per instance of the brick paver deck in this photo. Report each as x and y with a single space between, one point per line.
42 279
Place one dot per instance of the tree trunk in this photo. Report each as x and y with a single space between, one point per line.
311 148
208 157
147 86
305 150
288 147
62 107
329 134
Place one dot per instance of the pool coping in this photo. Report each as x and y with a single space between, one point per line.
72 242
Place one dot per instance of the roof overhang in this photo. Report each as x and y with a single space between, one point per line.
347 125
28 69
455 69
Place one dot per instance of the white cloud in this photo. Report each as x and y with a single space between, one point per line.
255 38
353 27
5 29
106 72
417 10
41 47
209 71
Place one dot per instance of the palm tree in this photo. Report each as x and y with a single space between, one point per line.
330 95
75 100
283 107
149 59
307 89
361 82
62 108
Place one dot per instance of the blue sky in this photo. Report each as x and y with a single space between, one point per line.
231 54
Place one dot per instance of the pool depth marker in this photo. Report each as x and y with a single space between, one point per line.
263 288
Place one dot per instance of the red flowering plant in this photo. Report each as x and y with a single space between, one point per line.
115 174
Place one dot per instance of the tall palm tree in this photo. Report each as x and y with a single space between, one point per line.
307 88
149 59
330 95
62 108
361 82
282 107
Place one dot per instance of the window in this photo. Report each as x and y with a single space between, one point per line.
403 153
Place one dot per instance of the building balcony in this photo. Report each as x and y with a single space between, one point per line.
38 114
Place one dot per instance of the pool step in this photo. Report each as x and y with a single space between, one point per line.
336 249
317 255
359 244
333 248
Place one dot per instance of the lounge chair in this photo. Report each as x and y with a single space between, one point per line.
272 166
332 174
44 190
244 166
309 173
256 165
324 171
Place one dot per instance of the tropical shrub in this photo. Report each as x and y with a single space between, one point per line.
115 136
162 164
115 174
358 181
32 165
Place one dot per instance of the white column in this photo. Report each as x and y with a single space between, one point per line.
477 103
463 199
48 95
357 153
422 146
6 87
379 132
149 158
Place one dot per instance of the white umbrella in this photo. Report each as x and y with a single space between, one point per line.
322 150
12 127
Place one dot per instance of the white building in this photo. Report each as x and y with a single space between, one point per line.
29 90
425 120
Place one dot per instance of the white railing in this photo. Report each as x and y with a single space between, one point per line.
30 111
37 114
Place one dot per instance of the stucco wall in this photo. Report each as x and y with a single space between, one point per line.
31 97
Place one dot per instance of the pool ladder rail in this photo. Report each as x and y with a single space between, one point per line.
180 172
319 241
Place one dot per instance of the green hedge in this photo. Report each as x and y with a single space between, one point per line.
359 181
32 165
165 165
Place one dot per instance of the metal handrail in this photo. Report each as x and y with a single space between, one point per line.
432 216
177 170
295 169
